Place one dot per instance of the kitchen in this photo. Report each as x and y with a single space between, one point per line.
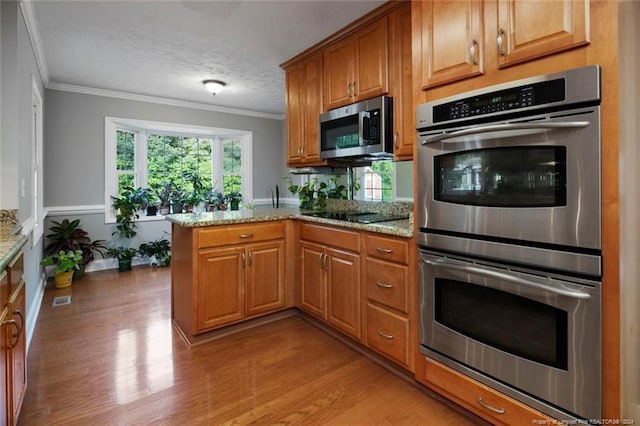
61 106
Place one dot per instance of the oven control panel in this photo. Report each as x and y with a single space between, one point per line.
535 94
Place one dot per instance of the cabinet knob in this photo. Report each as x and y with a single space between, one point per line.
245 236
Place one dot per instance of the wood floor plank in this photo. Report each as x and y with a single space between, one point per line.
112 357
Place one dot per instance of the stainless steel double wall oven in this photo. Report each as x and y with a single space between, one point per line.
509 235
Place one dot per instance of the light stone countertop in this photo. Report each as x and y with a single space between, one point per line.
399 228
11 241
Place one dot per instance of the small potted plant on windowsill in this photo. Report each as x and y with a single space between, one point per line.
164 195
234 198
124 256
66 262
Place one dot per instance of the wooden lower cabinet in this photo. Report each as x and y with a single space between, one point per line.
13 371
225 274
330 276
479 399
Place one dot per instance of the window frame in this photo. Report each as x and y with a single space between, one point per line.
359 177
141 128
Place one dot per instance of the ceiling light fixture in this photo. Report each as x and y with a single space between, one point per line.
214 86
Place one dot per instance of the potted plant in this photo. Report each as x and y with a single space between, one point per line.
66 262
164 194
124 256
126 213
212 198
234 198
143 198
158 252
178 200
68 236
193 199
305 192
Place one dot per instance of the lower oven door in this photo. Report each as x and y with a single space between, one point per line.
535 338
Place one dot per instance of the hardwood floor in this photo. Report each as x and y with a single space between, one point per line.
111 357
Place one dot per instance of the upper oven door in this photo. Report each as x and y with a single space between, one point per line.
530 180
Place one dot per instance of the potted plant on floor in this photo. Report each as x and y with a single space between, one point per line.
66 262
158 252
69 236
124 256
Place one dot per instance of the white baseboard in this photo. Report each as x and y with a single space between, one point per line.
34 310
111 263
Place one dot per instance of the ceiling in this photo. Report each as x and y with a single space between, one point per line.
165 49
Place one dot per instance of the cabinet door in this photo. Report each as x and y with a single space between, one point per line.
5 328
372 77
221 276
18 353
339 73
295 114
451 35
343 291
313 107
400 83
265 277
530 29
312 286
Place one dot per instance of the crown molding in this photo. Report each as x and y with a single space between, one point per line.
159 100
26 7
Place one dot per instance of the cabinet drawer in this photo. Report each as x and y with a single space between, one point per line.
239 234
391 249
335 237
387 284
388 333
472 395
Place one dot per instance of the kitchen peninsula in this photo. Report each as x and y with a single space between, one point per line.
233 269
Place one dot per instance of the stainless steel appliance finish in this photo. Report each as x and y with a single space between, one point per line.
536 338
512 172
363 129
509 236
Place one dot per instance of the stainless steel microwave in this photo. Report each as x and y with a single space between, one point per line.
363 129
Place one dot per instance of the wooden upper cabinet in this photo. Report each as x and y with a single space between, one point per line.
400 82
303 108
531 29
356 67
452 35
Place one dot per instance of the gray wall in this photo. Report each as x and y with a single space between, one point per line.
74 149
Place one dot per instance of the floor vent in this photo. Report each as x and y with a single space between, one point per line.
61 300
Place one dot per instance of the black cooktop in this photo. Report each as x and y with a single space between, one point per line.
357 216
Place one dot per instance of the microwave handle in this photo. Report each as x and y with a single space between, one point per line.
507 126
505 277
363 126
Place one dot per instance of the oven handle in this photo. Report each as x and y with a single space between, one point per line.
507 126
506 277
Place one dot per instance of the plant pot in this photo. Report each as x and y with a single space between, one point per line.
63 279
223 206
189 208
177 207
124 265
152 211
165 210
78 274
235 205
